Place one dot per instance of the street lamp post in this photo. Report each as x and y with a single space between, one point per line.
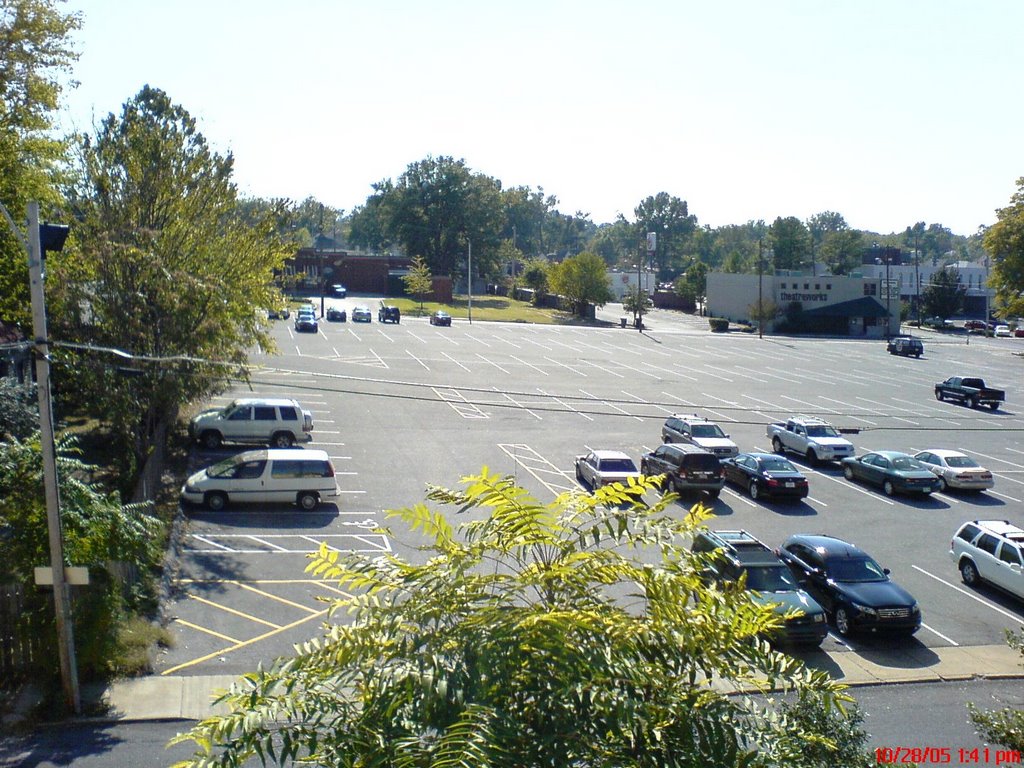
760 288
469 280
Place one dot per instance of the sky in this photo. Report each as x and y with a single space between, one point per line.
888 112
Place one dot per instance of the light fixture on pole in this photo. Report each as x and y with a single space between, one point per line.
469 280
43 238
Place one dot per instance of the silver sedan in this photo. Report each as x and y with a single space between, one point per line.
956 470
599 468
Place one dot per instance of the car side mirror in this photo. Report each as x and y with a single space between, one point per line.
885 571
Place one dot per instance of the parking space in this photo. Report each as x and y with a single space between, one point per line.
401 406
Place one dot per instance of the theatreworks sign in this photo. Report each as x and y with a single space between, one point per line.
796 296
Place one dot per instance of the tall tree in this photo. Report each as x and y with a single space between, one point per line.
166 268
616 243
790 242
368 226
35 53
936 242
944 295
583 279
419 282
841 251
525 213
512 645
670 218
1004 240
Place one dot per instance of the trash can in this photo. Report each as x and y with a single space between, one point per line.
622 322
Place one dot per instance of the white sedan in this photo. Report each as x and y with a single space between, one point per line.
361 314
599 468
956 470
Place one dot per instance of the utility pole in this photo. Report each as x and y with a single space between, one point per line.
760 288
469 280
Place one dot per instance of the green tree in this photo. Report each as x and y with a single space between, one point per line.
526 212
696 276
35 54
368 226
583 280
1004 240
944 295
790 242
165 268
19 409
535 275
513 643
616 243
419 282
637 301
1002 726
841 251
936 242
670 218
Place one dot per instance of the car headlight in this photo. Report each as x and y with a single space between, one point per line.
866 610
190 488
915 608
818 618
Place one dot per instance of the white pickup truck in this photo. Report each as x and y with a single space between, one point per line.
814 439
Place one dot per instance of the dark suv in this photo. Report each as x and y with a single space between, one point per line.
686 468
388 314
906 346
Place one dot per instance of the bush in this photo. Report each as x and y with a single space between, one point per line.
718 324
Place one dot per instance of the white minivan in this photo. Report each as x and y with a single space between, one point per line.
303 477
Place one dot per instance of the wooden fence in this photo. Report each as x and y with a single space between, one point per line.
23 648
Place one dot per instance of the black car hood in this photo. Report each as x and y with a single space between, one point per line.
875 594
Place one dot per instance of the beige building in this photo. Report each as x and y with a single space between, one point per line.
827 304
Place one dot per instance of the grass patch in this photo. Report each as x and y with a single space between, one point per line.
487 307
135 637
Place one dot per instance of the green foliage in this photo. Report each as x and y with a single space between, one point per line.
841 251
526 213
669 217
577 633
763 313
583 279
36 46
166 266
616 243
1002 726
944 295
1004 240
695 279
718 324
849 741
637 301
535 275
419 282
790 242
19 409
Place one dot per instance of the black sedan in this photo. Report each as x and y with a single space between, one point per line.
893 471
765 474
335 315
854 590
440 318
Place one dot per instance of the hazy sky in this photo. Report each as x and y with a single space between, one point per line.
887 111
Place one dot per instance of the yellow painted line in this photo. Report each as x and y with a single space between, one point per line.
204 601
242 644
196 627
247 581
279 599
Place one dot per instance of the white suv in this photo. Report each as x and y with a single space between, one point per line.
991 551
698 431
268 421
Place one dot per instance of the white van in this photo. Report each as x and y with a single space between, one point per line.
279 422
275 474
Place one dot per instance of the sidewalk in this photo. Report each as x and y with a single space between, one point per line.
190 698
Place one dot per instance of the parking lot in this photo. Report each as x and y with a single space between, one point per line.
401 406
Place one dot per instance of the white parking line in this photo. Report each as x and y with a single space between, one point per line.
567 367
491 362
478 340
520 405
565 404
939 634
971 595
645 402
602 368
738 497
410 354
456 362
531 365
610 405
1004 496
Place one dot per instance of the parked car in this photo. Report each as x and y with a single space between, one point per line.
765 474
278 422
361 314
1019 333
282 313
893 471
693 429
336 315
976 325
686 468
738 553
906 346
970 390
305 320
956 470
273 475
338 291
440 318
854 590
599 468
1003 330
814 439
389 314
990 551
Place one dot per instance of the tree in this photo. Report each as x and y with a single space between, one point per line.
535 275
637 301
19 409
790 242
765 312
944 295
670 218
165 268
526 212
841 251
583 280
696 276
530 635
1003 726
419 282
616 243
35 52
1004 240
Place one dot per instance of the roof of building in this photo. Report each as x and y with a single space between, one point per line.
865 306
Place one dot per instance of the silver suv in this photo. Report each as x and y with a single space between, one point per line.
698 431
990 551
264 421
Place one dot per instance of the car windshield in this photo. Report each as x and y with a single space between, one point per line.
770 579
961 461
707 430
823 430
906 462
778 465
855 569
617 465
224 468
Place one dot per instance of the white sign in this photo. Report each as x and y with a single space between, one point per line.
652 242
891 288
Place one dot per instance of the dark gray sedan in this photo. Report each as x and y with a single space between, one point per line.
893 471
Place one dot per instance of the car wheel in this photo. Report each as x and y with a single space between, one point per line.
974 402
969 573
211 439
993 406
776 445
283 440
843 626
888 488
714 493
938 395
215 502
812 457
943 485
848 472
754 491
308 501
579 475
